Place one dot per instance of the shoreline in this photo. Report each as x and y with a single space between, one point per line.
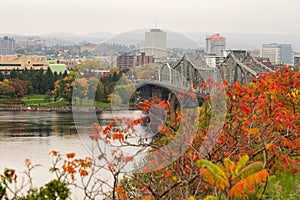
57 109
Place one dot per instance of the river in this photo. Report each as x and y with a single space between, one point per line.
33 134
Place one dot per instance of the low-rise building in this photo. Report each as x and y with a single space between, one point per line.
128 60
296 59
30 42
22 61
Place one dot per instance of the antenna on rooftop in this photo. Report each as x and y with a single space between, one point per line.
155 23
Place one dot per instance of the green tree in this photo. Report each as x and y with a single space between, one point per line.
90 64
100 93
64 87
81 89
92 87
1 76
48 81
6 89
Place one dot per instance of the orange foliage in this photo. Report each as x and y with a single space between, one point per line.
70 155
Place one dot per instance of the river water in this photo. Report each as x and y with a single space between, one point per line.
33 134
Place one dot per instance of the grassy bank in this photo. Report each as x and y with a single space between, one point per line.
39 100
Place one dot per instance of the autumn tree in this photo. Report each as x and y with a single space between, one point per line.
64 87
262 122
81 89
93 83
6 89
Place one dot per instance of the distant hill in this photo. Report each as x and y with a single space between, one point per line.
234 40
59 34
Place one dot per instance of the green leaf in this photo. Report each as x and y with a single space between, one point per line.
210 198
250 169
241 164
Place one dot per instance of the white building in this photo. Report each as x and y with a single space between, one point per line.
156 43
278 53
214 61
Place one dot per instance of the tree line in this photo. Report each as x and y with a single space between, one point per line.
17 83
88 86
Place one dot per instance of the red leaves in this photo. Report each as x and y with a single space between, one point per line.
111 166
83 172
108 128
54 153
128 159
145 105
246 110
161 128
237 90
167 174
164 104
119 190
118 136
229 94
70 155
287 143
69 167
295 170
137 121
260 113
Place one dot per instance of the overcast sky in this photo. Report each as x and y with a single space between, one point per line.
85 16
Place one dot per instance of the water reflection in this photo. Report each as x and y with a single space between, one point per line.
37 124
33 135
30 124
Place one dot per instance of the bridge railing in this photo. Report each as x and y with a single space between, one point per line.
169 77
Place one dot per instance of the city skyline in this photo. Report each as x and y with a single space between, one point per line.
79 17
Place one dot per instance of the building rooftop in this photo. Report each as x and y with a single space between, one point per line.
217 37
58 68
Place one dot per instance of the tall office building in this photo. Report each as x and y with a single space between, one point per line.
278 53
156 43
7 46
215 44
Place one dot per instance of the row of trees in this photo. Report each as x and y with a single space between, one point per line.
38 81
61 85
88 86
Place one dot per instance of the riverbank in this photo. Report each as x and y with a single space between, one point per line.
59 109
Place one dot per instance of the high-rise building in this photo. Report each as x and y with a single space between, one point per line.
278 53
215 44
7 46
156 43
